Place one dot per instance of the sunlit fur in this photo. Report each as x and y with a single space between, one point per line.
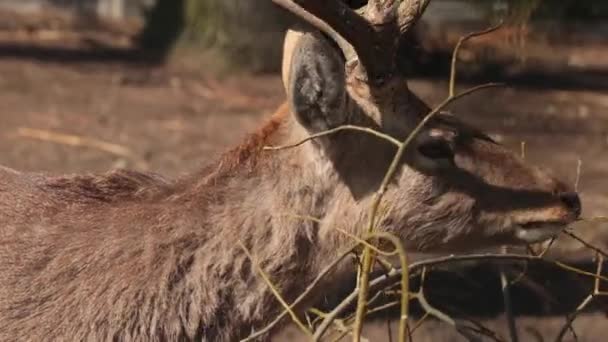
127 256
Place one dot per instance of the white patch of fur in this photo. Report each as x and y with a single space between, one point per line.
537 233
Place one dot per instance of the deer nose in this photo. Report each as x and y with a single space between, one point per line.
572 201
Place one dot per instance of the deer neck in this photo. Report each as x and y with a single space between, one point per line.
275 208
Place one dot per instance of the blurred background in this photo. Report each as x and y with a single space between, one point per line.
165 85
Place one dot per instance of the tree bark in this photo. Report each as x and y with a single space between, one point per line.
247 32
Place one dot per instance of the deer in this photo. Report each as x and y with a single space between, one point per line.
133 256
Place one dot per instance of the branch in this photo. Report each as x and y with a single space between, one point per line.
585 243
572 317
363 280
427 306
596 292
335 130
506 296
302 296
461 41
329 318
275 291
80 141
393 275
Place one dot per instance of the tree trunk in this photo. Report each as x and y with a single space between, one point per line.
247 32
165 23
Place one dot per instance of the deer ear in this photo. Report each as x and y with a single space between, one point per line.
315 83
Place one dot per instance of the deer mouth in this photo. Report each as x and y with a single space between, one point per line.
534 232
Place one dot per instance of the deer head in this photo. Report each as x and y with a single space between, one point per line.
456 188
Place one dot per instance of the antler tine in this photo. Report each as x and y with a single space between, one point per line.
347 28
380 12
409 13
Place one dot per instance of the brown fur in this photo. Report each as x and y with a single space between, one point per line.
128 256
248 153
130 251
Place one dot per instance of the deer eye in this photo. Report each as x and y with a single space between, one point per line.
437 149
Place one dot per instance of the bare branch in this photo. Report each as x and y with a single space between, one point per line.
585 243
80 141
404 276
303 295
336 130
572 317
461 41
419 323
579 165
579 271
506 296
596 292
389 278
427 306
275 291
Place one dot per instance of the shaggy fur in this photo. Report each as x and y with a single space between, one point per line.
128 256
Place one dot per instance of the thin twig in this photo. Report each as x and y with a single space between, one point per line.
389 330
427 306
363 242
419 323
303 295
420 296
520 276
275 292
80 141
331 316
384 263
404 283
336 130
546 249
461 41
404 295
596 292
74 140
303 217
578 271
496 257
338 323
506 297
388 278
585 243
434 312
384 307
579 165
600 264
572 317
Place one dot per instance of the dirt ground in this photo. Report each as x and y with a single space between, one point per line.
173 120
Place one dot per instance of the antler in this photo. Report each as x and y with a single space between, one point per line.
409 13
373 32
